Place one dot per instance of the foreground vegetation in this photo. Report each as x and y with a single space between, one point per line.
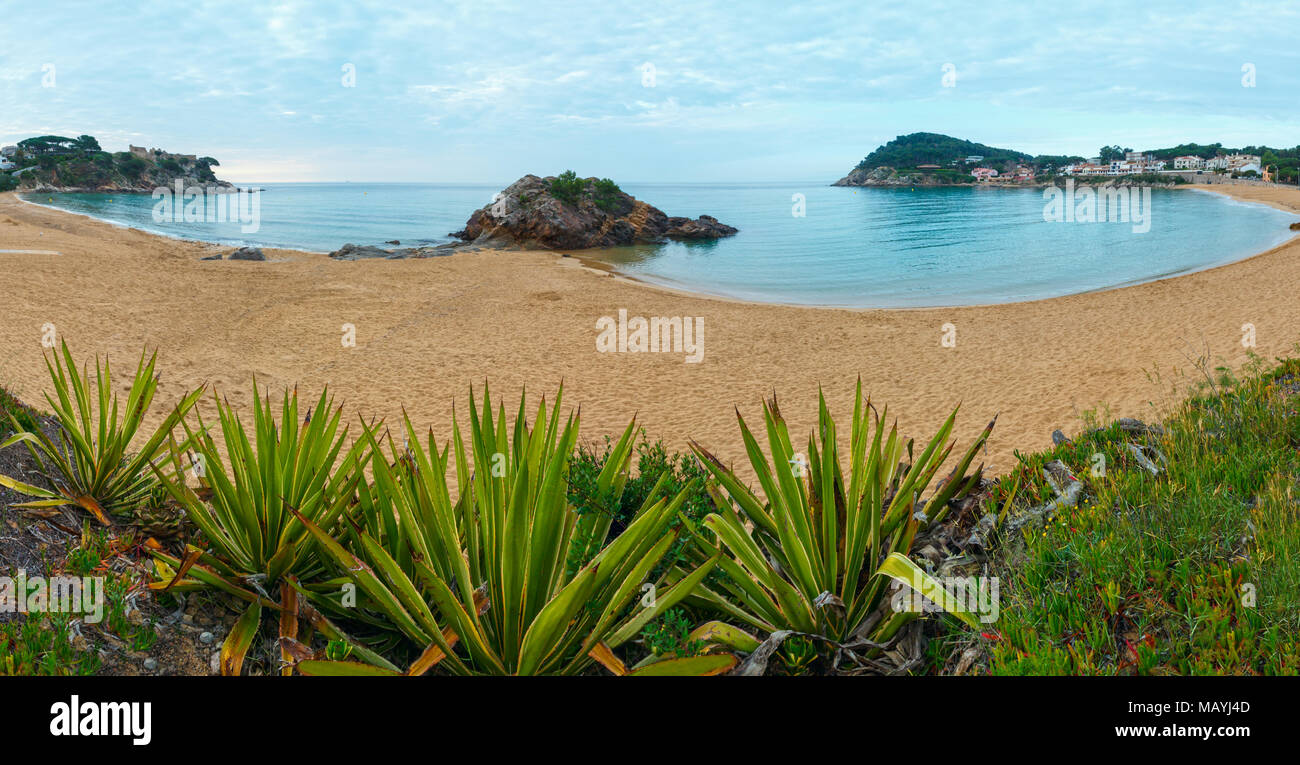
512 548
1181 554
358 556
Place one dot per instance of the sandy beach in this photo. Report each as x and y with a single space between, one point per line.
426 330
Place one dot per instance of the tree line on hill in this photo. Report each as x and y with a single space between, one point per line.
917 149
80 162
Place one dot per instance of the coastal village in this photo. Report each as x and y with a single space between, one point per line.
928 159
1133 163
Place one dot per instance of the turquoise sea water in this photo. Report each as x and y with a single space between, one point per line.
852 247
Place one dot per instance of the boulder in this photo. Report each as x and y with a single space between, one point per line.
359 252
704 227
370 252
528 215
247 253
862 176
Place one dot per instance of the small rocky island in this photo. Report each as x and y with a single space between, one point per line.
568 212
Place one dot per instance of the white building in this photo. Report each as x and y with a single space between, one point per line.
1249 166
1090 168
6 164
984 173
8 151
1188 162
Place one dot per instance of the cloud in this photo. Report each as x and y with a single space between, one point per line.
456 90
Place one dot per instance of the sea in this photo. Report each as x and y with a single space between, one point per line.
802 243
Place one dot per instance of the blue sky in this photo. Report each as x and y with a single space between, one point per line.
487 91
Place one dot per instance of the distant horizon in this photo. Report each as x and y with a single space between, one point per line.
699 181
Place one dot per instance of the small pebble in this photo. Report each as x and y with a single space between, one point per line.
151 664
207 637
215 662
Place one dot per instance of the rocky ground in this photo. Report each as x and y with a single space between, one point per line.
139 634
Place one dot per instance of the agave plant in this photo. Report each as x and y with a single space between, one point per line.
507 579
90 466
826 541
254 510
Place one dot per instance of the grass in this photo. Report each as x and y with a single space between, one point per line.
12 407
1190 571
43 645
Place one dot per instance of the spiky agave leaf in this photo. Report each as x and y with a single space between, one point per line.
259 494
798 561
90 466
508 579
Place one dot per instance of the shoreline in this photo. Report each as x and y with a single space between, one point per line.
118 224
429 329
591 258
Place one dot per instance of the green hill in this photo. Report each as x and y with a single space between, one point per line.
56 162
934 149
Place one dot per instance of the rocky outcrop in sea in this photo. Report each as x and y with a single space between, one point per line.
888 176
528 214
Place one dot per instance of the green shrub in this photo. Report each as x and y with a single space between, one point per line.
129 165
670 635
679 471
606 194
568 187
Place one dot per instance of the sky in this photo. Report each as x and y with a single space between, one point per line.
663 91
